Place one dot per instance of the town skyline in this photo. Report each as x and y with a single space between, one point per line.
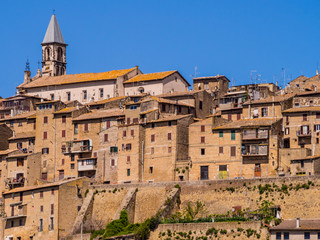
237 49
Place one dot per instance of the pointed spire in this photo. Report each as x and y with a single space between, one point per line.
53 34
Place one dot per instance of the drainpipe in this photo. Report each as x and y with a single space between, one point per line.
142 161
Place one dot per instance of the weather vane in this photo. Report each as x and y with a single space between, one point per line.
27 65
54 12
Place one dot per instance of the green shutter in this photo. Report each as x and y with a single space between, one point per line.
233 135
221 134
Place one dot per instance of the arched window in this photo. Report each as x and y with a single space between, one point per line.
47 53
57 71
60 54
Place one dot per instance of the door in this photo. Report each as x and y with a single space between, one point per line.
257 170
61 174
204 172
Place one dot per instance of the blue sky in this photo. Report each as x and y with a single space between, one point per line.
219 37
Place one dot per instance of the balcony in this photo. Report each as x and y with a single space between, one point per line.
255 134
18 210
230 105
14 182
306 133
77 146
87 164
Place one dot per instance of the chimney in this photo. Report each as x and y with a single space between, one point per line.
298 223
39 74
27 76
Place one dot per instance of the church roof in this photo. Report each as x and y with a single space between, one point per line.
53 34
75 78
150 77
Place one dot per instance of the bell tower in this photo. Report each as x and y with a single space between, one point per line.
53 50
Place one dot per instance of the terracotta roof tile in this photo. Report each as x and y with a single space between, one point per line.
106 101
249 123
20 116
176 94
100 114
311 224
271 99
67 110
170 118
302 109
75 78
150 77
23 135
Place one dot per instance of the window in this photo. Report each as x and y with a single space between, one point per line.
163 107
132 133
72 166
317 140
101 92
20 124
264 112
52 191
204 172
63 133
45 150
75 128
203 139
21 196
44 176
221 134
41 194
63 119
41 208
317 115
51 223
150 170
200 105
179 109
307 235
305 117
238 116
84 94
135 120
128 159
12 225
286 235
169 136
318 235
278 235
229 117
133 107
45 135
220 150
128 120
69 96
153 137
20 224
317 127
11 123
113 149
128 146
233 151
302 164
45 119
106 138
41 225
20 162
233 135
52 96
169 123
112 163
52 209
203 151
203 128
86 127
124 134
128 172
19 145
169 149
72 157
152 125
152 150
287 131
108 123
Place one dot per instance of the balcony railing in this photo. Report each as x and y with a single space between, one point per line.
87 164
303 133
77 147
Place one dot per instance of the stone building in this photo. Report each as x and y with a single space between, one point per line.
46 211
244 148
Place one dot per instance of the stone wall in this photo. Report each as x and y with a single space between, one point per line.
234 230
219 196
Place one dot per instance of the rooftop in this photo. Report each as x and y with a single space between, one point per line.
256 122
271 99
302 109
23 135
177 94
211 77
53 34
100 114
106 101
75 78
311 224
20 116
170 118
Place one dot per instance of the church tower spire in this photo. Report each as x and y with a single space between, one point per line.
53 50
